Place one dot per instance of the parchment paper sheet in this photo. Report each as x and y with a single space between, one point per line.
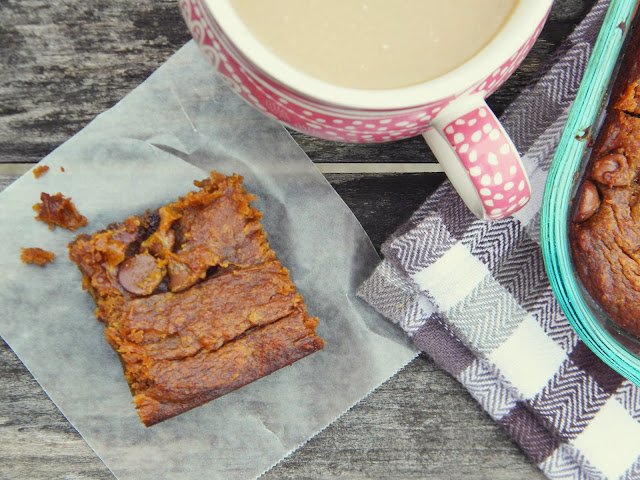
142 153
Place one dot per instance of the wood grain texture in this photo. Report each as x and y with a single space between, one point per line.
64 62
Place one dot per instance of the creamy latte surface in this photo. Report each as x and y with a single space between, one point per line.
374 44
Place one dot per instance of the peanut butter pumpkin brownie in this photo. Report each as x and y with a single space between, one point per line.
194 300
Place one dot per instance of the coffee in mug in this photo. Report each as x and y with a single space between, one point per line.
374 44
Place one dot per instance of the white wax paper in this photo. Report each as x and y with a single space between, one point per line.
144 152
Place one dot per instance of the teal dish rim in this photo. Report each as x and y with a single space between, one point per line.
565 173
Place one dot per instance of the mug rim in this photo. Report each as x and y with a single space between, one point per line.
520 26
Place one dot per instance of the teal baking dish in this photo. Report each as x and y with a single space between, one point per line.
619 350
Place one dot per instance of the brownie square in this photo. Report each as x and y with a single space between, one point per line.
193 299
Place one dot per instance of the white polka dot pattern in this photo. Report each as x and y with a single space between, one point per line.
493 165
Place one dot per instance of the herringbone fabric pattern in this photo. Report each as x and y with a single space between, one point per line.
475 297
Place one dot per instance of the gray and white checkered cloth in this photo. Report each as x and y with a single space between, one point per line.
475 297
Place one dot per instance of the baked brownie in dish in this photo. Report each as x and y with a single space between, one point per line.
605 230
193 298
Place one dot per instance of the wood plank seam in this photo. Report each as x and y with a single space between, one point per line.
324 167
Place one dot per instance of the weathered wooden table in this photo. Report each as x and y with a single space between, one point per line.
64 62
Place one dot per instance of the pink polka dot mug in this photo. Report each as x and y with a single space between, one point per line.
449 111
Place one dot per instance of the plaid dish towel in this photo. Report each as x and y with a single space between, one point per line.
475 297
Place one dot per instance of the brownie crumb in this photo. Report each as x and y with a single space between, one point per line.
37 255
58 210
39 171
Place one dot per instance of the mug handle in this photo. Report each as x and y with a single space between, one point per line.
479 159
